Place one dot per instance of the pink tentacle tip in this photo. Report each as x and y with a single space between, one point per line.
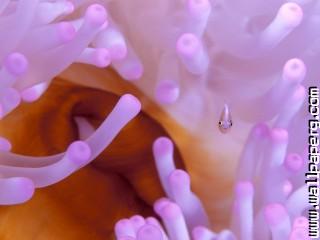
152 221
126 238
26 187
102 57
66 31
188 45
124 227
16 64
179 178
131 103
226 235
291 13
244 189
171 211
275 213
162 146
5 145
79 153
69 8
167 92
149 232
16 190
279 135
294 162
134 72
137 221
160 204
96 14
201 233
294 70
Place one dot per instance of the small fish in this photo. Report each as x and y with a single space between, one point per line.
225 121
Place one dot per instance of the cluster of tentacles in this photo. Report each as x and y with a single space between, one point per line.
37 46
269 197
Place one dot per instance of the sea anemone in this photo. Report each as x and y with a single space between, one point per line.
269 197
35 49
227 80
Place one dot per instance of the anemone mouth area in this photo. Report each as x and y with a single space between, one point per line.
119 177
